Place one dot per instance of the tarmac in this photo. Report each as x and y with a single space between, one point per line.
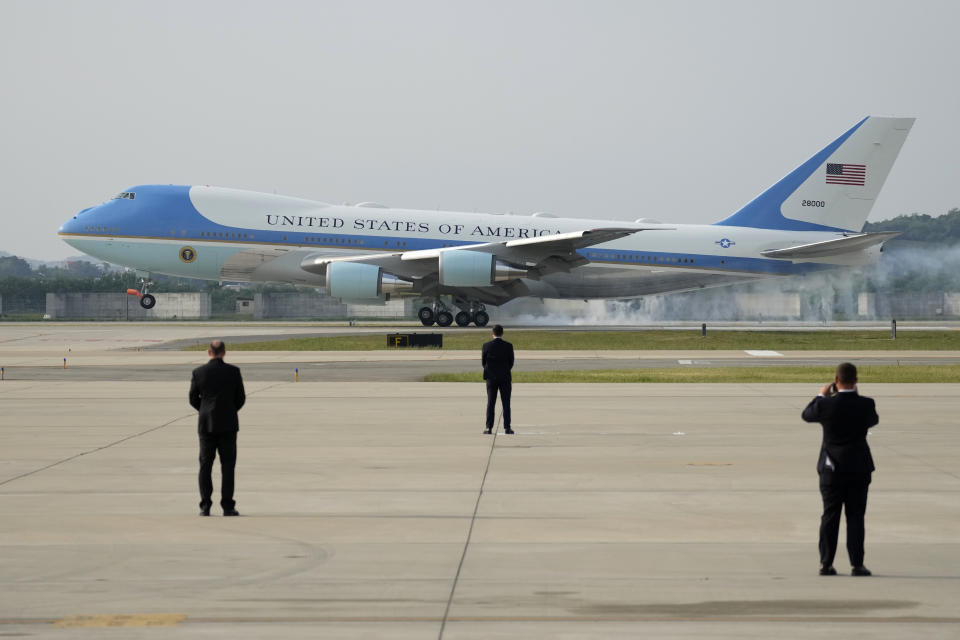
378 509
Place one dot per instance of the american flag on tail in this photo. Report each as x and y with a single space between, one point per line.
855 174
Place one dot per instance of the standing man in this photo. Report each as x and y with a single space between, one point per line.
844 466
216 391
497 359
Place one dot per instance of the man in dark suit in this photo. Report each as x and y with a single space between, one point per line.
497 359
216 391
845 464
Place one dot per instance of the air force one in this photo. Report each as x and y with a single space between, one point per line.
460 262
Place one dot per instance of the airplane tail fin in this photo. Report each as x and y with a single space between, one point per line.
835 189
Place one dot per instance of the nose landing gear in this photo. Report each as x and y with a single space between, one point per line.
147 301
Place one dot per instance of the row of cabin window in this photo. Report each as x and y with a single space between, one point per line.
644 258
247 236
219 234
100 229
332 240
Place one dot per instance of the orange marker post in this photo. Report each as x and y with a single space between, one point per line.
296 374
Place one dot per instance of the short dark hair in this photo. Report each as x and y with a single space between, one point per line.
218 347
846 373
498 330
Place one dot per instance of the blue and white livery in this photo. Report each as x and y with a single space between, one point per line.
809 220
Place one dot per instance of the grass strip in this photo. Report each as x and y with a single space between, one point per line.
766 374
651 340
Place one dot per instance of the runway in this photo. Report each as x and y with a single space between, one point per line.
151 352
377 509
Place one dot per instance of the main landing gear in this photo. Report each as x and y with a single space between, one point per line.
441 315
147 301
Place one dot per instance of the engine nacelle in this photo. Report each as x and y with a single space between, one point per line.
358 281
465 268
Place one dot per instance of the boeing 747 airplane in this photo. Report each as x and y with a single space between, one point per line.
808 221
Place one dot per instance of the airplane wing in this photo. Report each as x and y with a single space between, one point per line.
528 257
546 253
835 247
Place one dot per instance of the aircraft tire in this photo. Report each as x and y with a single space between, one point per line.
147 301
426 316
481 318
444 319
462 319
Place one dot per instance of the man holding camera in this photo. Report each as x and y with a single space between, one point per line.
845 465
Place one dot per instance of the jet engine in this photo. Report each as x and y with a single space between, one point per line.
464 268
358 281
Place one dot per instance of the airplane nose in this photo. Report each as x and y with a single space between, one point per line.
74 224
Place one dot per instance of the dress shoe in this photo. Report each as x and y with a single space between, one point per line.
860 571
828 571
487 431
231 512
205 511
508 431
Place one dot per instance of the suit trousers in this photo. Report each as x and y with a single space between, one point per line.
503 387
210 445
846 491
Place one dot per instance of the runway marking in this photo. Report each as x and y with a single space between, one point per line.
116 442
473 520
123 620
684 361
763 353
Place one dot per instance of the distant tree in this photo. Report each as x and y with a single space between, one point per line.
84 269
920 227
14 266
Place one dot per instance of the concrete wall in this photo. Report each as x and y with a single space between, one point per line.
120 306
13 305
397 309
951 304
914 305
296 305
867 304
299 305
777 305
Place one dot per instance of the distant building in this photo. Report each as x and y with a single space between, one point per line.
245 306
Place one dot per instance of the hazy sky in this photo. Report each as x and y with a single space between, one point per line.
681 111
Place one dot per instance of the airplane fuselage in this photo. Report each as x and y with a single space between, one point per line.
204 232
808 221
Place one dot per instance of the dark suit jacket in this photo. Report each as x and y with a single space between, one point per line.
497 359
845 418
216 391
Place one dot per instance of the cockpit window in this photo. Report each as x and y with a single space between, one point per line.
126 195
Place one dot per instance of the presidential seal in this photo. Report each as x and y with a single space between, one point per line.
188 254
